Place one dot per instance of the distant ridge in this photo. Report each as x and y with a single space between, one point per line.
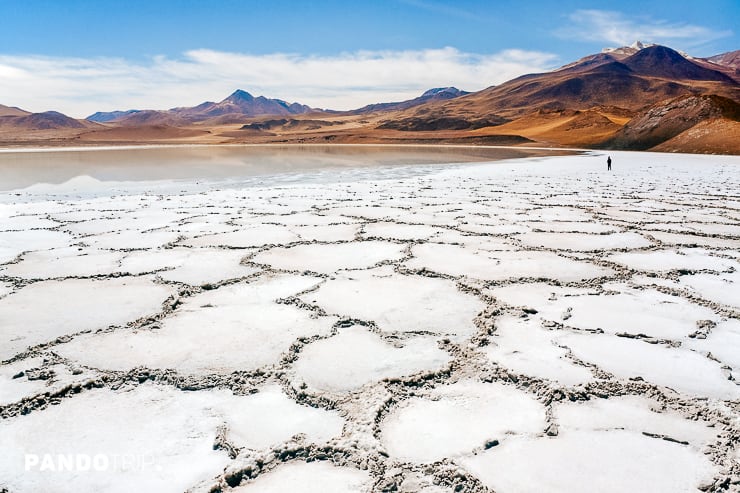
107 116
435 94
12 111
241 103
235 108
730 59
47 120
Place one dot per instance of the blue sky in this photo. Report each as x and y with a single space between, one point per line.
83 55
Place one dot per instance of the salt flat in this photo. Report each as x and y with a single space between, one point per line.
525 325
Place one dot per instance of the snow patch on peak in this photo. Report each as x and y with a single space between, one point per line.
637 46
628 50
454 91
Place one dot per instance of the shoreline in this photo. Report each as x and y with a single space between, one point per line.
22 168
278 145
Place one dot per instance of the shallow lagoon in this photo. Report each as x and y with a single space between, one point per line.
20 169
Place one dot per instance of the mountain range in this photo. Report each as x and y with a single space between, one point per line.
634 97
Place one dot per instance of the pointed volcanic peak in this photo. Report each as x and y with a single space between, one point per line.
607 55
435 94
625 51
665 63
239 97
240 104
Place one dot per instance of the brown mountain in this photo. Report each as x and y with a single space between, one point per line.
12 111
648 76
435 94
234 109
730 59
149 117
714 136
728 62
241 103
666 120
664 63
48 120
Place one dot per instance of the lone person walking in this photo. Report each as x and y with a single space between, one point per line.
608 163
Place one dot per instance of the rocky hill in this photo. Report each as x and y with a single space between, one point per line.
48 120
436 94
666 120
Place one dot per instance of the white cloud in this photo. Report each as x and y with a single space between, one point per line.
621 30
79 86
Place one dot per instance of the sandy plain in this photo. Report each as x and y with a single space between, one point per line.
533 324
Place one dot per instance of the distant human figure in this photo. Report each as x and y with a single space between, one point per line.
608 163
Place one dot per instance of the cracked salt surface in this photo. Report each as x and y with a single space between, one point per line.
34 376
722 344
584 241
587 461
459 418
235 327
533 325
327 259
168 436
384 297
44 311
313 477
664 260
722 288
355 357
523 346
64 262
680 369
636 414
13 243
633 312
197 267
497 266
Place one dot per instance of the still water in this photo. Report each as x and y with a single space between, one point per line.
21 169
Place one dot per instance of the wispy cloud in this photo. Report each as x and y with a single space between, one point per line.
619 29
80 86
